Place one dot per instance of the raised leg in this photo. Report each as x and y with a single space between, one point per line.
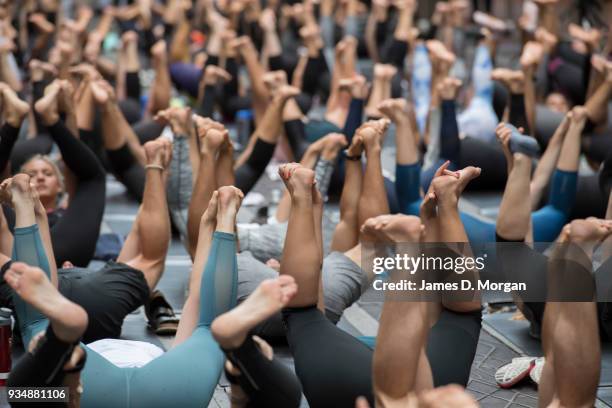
346 234
147 244
301 254
373 199
219 219
515 210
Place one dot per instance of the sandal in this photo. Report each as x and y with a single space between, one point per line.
512 373
160 315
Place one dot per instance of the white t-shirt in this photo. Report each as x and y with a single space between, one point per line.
126 353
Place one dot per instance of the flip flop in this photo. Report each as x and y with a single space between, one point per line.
512 373
160 316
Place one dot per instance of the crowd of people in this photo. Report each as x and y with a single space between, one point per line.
468 100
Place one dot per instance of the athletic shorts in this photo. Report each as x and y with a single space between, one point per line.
108 295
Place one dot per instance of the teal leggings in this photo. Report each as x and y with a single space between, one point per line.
28 248
185 376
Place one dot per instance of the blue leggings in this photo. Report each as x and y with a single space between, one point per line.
186 375
547 221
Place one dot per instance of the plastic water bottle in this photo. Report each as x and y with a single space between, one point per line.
244 118
5 345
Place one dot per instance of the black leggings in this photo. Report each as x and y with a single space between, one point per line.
296 136
334 367
268 383
591 200
132 86
128 171
147 130
597 146
43 367
247 174
75 233
316 75
471 152
8 137
226 95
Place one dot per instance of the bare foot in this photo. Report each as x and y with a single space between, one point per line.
274 80
298 179
359 87
86 71
394 228
311 36
504 134
579 115
100 95
156 154
284 93
356 147
395 109
373 133
213 140
68 319
39 70
210 214
384 71
345 49
242 44
129 39
428 209
274 264
590 38
332 143
491 22
449 187
591 230
214 75
532 54
231 328
513 80
229 202
267 20
546 38
41 23
448 87
14 108
158 52
47 106
442 59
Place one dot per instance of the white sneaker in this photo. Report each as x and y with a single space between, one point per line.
512 373
536 372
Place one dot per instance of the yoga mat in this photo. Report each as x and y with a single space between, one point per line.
515 334
135 328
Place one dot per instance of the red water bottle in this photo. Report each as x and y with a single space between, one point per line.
5 345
